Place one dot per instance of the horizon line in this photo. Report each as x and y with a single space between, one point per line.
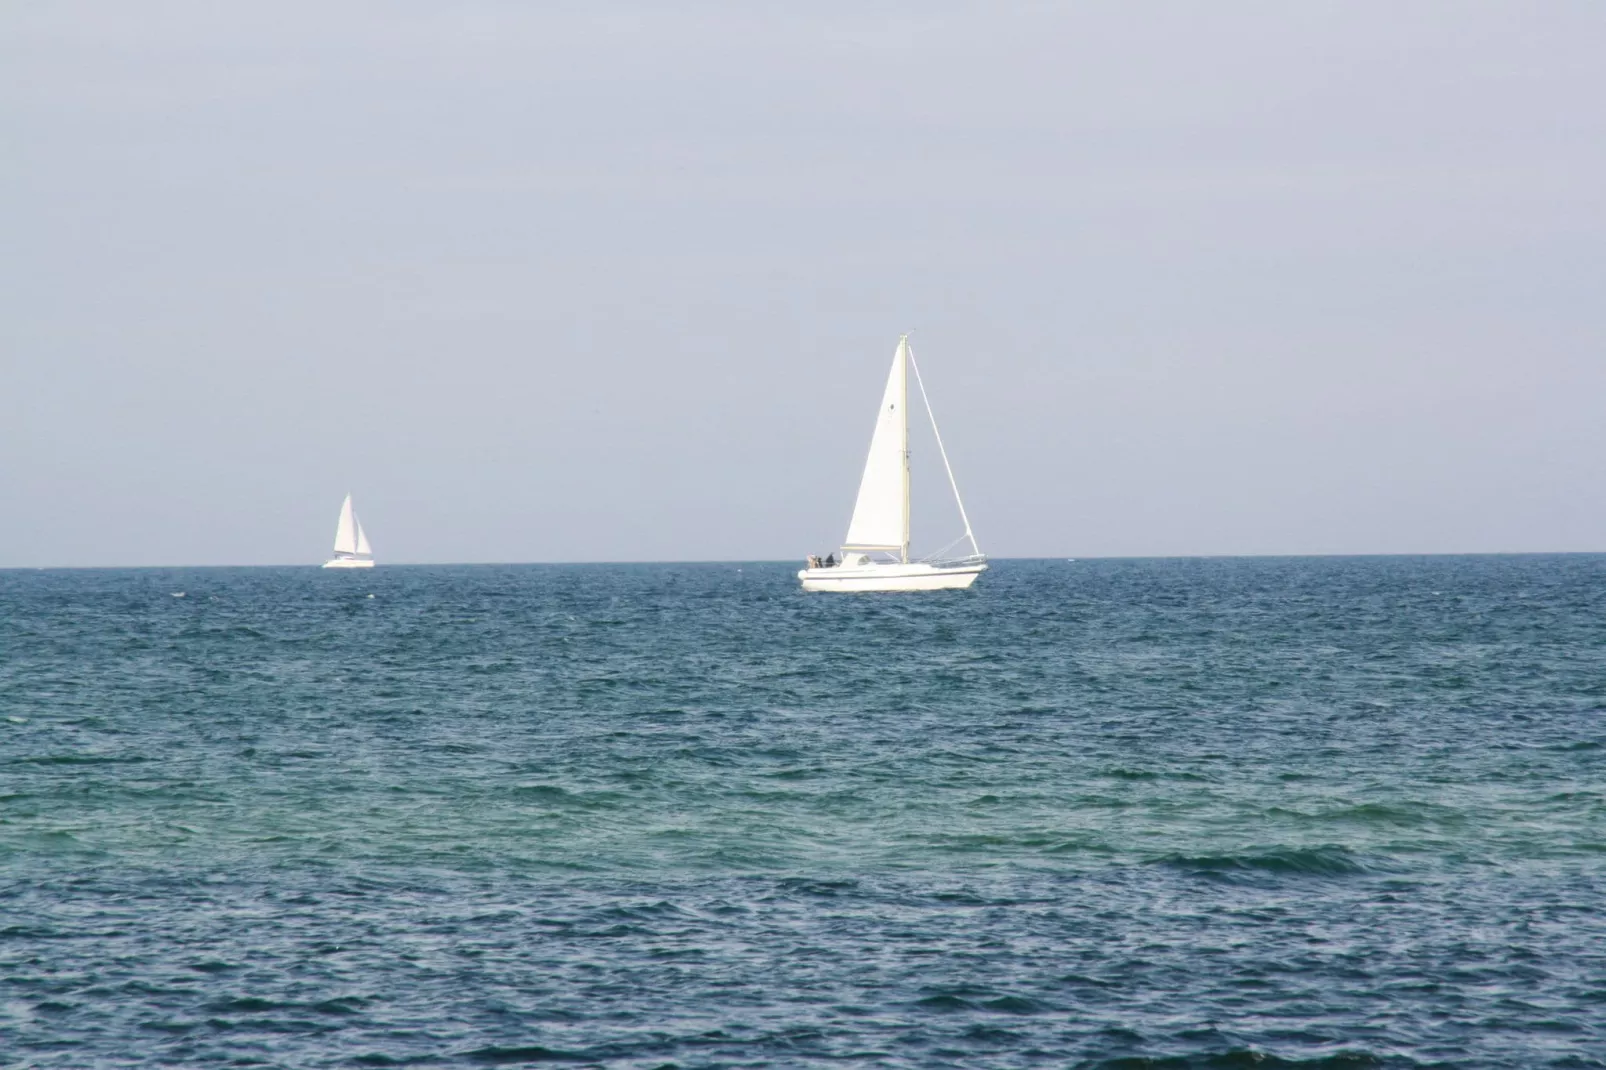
788 561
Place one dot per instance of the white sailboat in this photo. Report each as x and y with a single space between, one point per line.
351 542
875 555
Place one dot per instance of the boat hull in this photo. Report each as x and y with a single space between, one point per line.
349 562
899 577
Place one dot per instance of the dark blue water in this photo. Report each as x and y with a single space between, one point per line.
1218 813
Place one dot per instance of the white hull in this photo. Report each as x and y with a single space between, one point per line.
349 562
894 577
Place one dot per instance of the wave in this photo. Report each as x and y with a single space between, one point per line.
1121 773
1247 1059
813 887
544 792
1327 861
1410 814
530 1053
967 999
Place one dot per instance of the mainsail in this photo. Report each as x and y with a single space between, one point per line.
346 534
881 514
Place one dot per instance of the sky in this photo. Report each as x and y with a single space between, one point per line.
593 282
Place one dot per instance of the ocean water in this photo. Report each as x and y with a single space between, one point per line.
1320 812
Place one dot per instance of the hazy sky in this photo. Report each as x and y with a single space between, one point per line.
583 281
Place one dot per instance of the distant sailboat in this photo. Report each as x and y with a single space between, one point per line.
880 523
351 542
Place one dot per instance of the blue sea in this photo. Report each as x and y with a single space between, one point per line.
1232 813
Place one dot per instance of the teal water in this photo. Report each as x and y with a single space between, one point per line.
1328 812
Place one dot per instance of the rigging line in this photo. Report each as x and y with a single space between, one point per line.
946 466
936 555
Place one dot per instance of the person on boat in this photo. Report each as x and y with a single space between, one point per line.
830 561
814 561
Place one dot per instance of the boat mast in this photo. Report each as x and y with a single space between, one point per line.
903 411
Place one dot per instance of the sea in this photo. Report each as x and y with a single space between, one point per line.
1244 813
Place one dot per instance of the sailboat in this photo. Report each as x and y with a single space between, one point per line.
351 542
875 555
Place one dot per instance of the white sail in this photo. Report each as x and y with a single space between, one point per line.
881 514
346 533
362 536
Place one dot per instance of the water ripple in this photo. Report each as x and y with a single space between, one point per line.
1225 813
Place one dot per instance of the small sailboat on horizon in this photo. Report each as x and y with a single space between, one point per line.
880 524
351 541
